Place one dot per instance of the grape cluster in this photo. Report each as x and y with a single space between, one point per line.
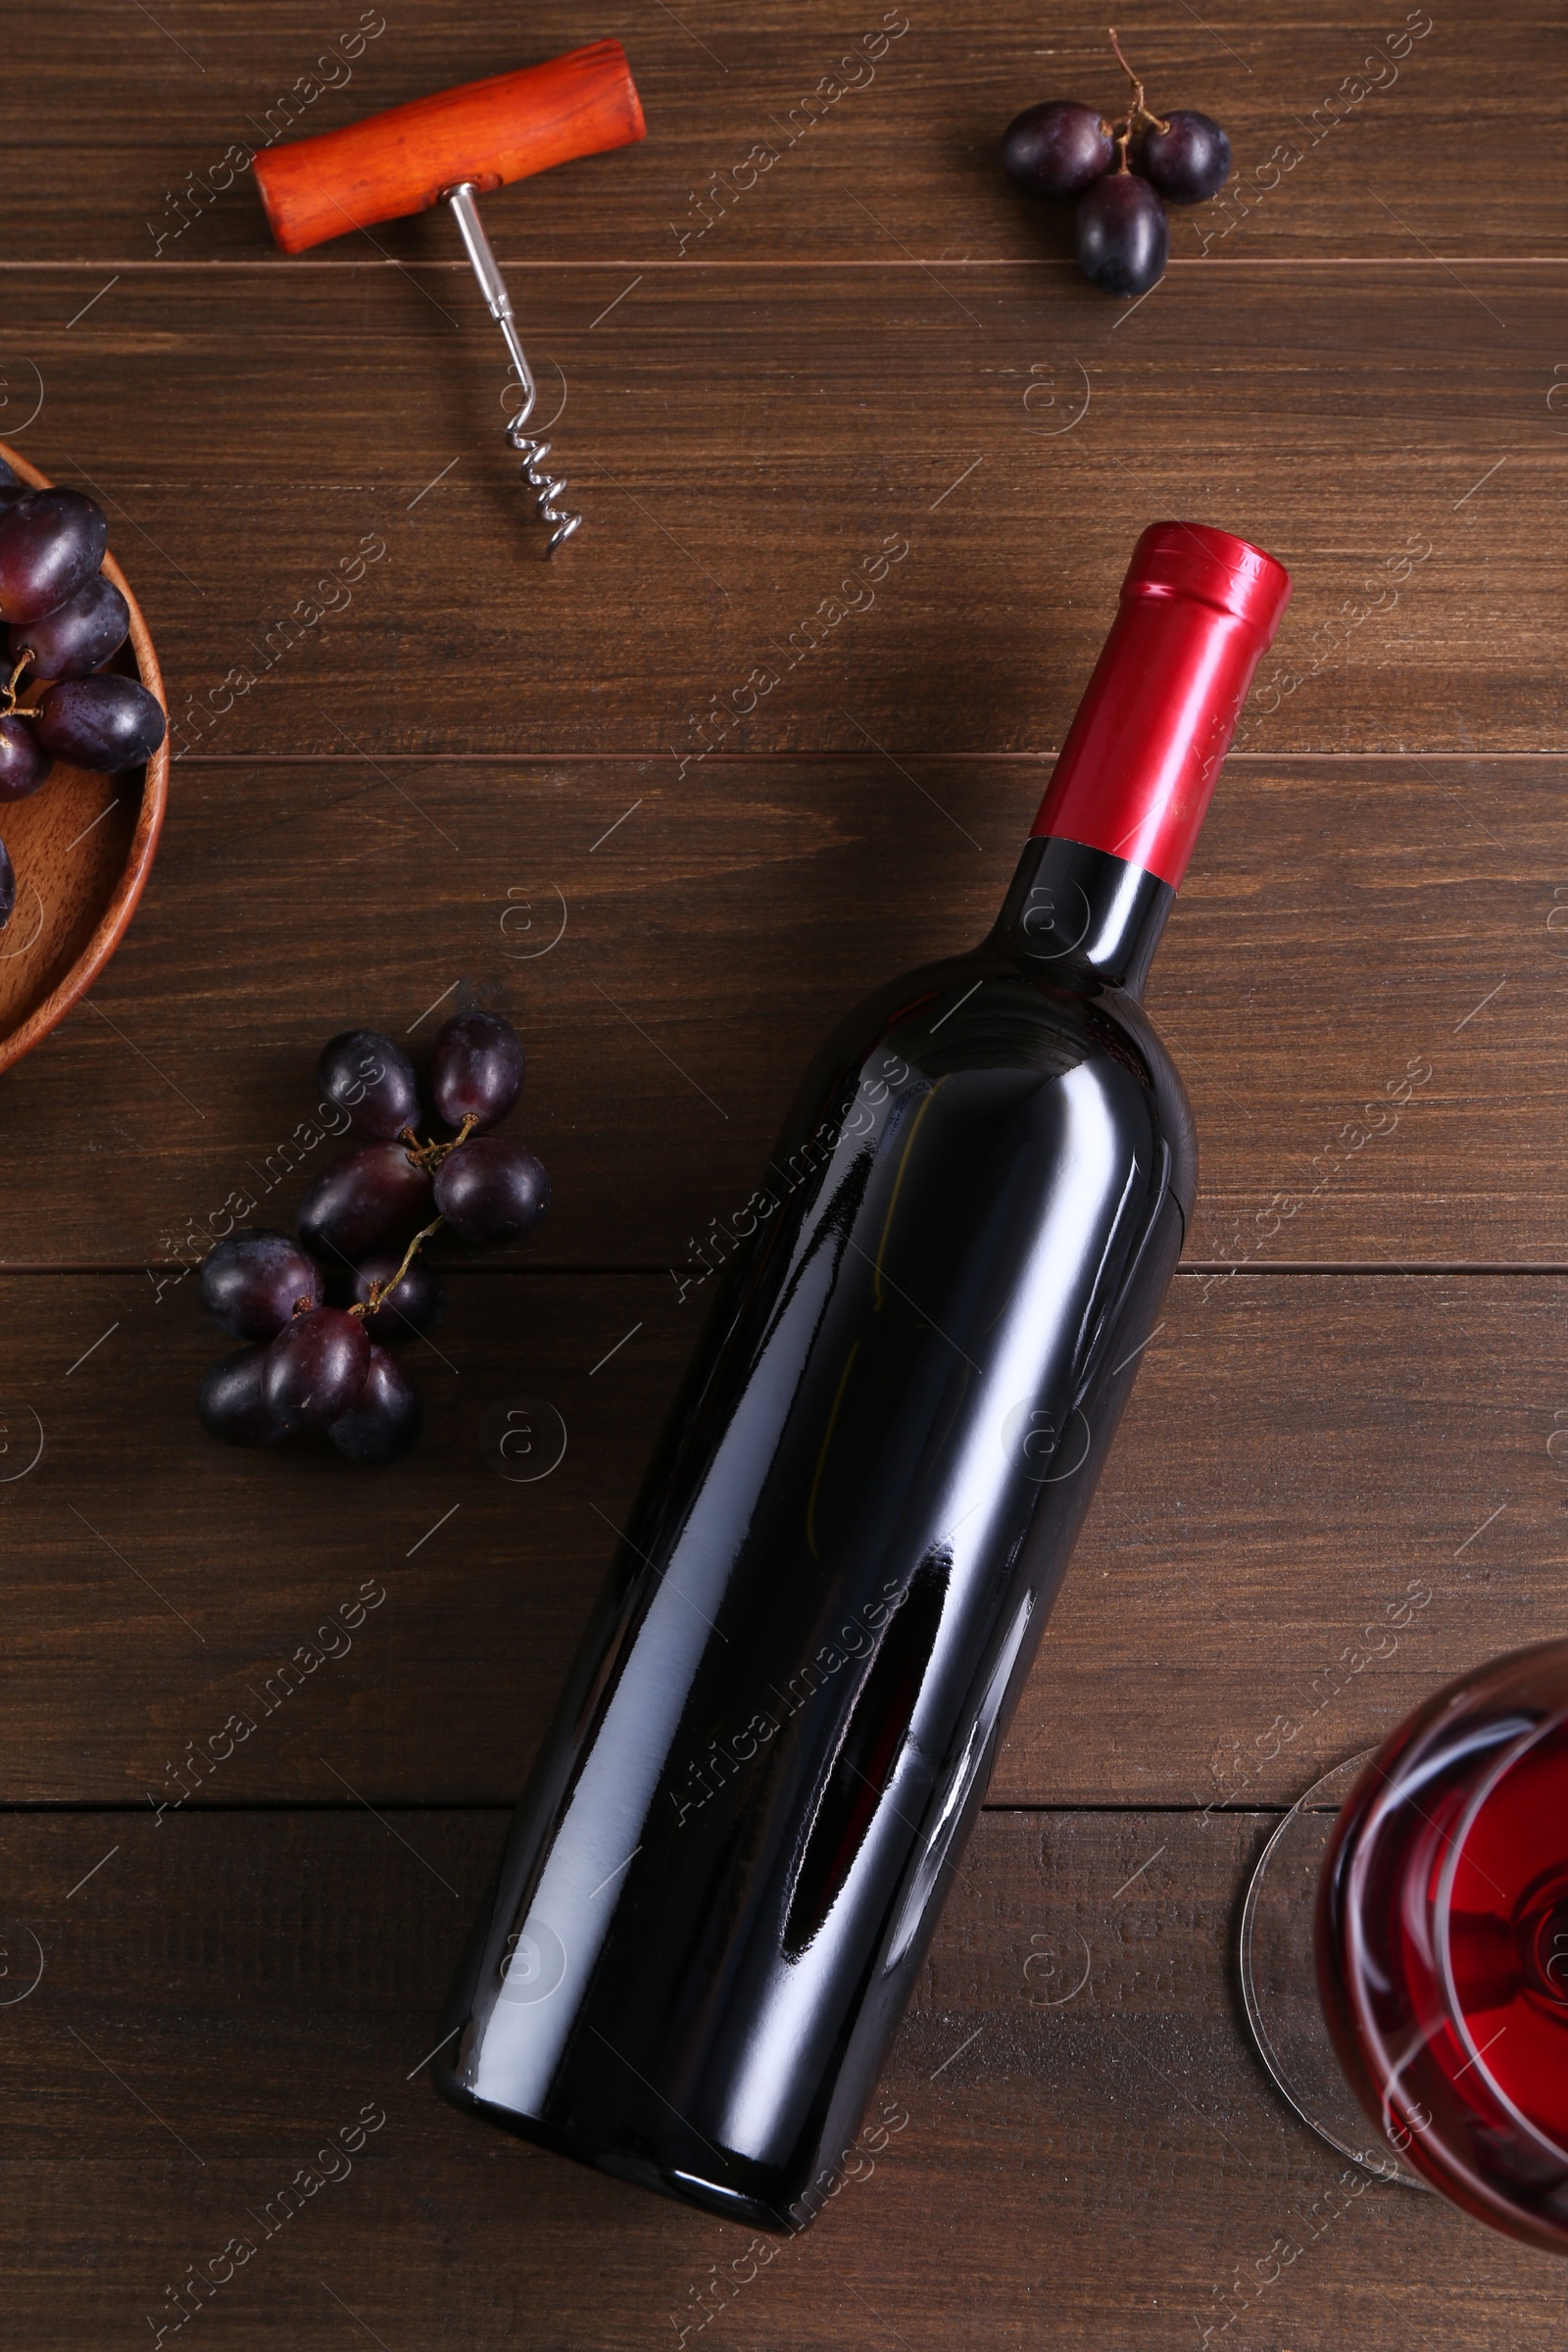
64 620
310 1364
1119 169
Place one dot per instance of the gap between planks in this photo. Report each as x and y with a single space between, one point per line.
971 262
117 1809
844 758
1383 1269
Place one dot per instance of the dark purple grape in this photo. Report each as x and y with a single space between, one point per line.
385 1424
106 723
8 887
24 761
371 1078
8 475
1123 236
373 1199
232 1404
78 637
316 1368
1188 161
491 1191
406 1313
252 1282
475 1069
1058 148
51 543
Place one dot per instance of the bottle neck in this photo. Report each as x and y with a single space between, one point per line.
1082 919
1139 762
1197 609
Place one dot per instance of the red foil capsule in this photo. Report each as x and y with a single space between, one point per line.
1198 610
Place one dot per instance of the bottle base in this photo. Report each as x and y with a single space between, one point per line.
759 2202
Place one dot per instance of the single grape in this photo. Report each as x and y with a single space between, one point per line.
51 543
385 1423
475 1069
1123 236
1058 148
1188 161
7 888
373 1199
491 1191
316 1368
24 761
253 1282
371 1078
78 637
406 1312
8 475
232 1404
106 723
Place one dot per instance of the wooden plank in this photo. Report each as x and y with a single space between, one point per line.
1333 1490
1355 984
1064 2172
306 475
136 137
1330 1495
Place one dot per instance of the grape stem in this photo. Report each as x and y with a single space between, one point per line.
430 1156
383 1289
1138 114
11 689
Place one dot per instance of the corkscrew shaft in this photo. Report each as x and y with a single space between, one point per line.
549 489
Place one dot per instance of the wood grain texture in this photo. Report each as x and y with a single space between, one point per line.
674 952
68 847
803 326
337 552
137 145
1111 2169
1329 1495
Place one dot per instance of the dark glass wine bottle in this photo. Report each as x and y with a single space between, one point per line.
734 1844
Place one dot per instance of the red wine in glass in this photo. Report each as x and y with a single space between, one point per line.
1442 1942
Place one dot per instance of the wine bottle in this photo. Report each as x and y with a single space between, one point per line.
732 1850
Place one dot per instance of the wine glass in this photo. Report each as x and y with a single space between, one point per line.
1441 1943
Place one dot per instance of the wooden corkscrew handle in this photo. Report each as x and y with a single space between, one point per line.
485 134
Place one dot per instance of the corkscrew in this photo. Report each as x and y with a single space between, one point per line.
450 149
531 447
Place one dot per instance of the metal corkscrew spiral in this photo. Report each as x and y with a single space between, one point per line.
534 449
548 488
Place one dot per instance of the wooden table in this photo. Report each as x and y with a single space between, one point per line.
454 774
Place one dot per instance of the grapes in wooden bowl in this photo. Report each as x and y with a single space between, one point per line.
83 752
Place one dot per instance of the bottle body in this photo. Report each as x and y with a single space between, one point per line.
734 1844
733 1848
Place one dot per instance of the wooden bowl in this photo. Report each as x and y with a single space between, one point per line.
81 849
